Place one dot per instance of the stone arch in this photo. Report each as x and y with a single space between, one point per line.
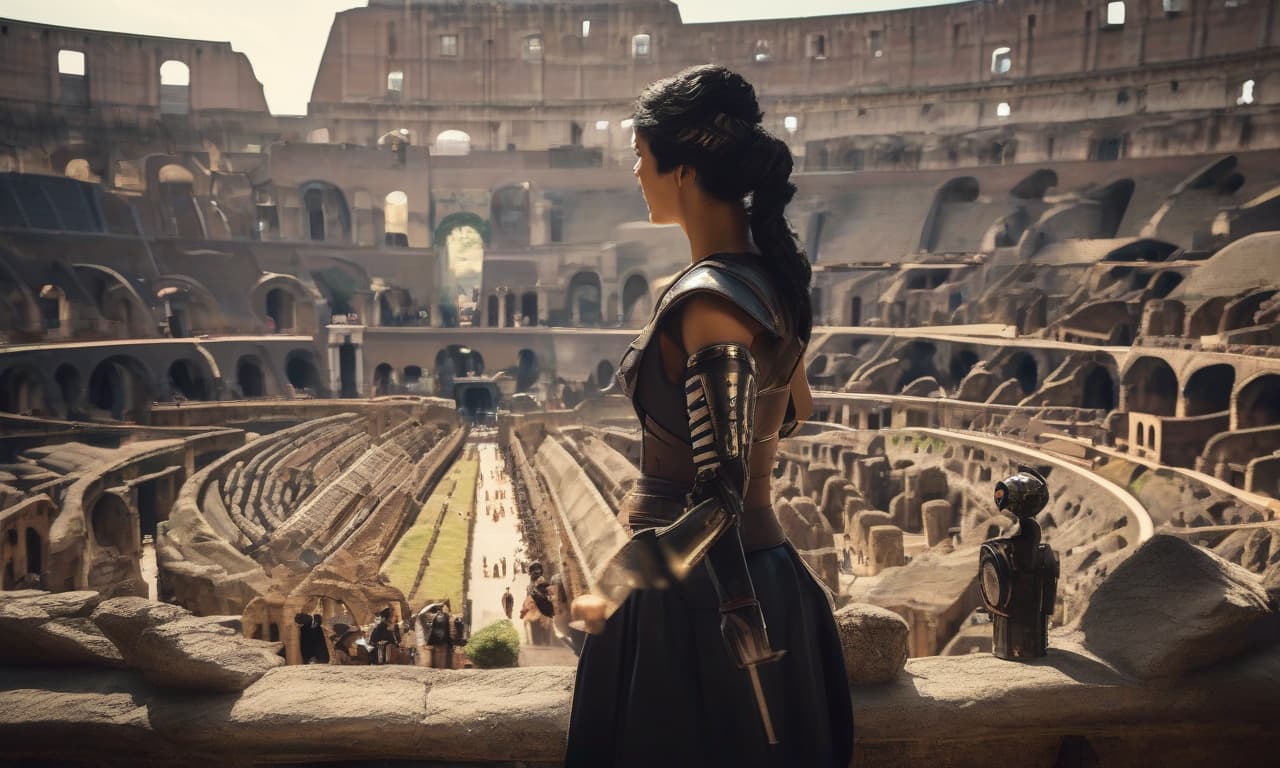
187 378
452 142
1257 403
527 370
395 219
383 380
189 307
604 374
411 378
1034 185
179 209
529 308
636 302
957 191
510 207
1205 319
1240 312
1098 388
35 546
250 377
583 299
118 300
19 311
285 303
112 523
962 361
455 361
1163 283
121 385
1208 390
1149 385
916 360
1021 365
22 390
460 219
1113 200
175 87
324 211
301 371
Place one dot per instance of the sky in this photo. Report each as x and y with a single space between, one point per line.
284 39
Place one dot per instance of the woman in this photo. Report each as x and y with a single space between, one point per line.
738 663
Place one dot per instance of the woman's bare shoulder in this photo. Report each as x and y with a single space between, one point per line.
708 319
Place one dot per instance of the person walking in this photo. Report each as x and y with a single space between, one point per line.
508 602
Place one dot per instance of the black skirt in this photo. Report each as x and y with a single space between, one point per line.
657 687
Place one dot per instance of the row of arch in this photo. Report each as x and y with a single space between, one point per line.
1150 386
122 386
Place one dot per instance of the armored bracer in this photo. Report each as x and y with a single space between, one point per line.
720 392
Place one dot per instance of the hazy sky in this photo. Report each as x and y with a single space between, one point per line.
284 39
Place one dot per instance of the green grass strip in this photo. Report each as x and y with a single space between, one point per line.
443 575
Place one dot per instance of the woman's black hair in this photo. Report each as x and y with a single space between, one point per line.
707 117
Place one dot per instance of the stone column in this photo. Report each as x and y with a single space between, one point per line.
937 520
335 371
359 355
544 312
886 547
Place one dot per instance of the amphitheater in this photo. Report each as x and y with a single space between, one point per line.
239 352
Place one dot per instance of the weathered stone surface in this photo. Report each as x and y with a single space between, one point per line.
959 712
1171 608
885 547
31 634
874 640
123 620
202 653
934 593
58 605
937 517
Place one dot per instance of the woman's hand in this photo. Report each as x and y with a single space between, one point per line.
587 612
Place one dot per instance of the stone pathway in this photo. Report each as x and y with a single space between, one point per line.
492 541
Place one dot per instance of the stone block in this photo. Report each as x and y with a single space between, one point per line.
863 522
123 619
885 547
874 641
202 653
1172 608
937 516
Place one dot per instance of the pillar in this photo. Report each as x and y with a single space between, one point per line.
335 371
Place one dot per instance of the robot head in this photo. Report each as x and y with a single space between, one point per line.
1024 494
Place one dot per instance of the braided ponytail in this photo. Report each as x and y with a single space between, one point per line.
772 232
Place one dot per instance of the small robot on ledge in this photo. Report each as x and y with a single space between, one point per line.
1018 574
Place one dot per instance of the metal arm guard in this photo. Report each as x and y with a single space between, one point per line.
720 392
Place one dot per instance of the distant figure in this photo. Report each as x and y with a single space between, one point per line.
382 636
508 602
504 567
436 626
314 649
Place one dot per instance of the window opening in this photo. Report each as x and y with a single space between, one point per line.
1001 60
175 88
874 44
761 53
395 82
1003 109
818 47
1246 93
586 27
533 48
1115 14
448 45
71 63
641 45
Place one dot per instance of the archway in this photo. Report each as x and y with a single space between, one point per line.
412 378
120 386
1258 403
636 304
1204 319
917 362
280 309
1099 390
855 310
35 551
1022 366
1240 313
395 208
527 370
462 238
962 361
111 523
348 386
604 374
584 299
529 309
21 392
1150 386
452 142
300 370
325 214
382 380
1208 390
185 379
478 401
491 311
456 361
249 377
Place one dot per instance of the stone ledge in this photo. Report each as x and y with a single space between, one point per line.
955 711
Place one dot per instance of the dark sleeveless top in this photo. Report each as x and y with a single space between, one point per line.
666 457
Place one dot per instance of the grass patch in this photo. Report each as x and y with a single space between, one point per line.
443 577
